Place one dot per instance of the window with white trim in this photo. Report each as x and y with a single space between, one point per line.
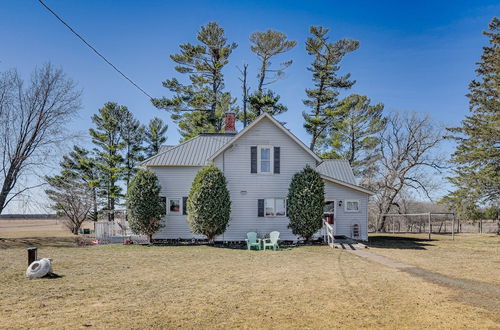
280 207
351 205
274 207
174 206
265 159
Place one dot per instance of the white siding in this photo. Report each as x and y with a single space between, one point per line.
246 188
175 183
345 220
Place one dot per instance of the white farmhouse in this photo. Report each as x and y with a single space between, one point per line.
258 163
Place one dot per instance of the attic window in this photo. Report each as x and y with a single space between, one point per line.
265 159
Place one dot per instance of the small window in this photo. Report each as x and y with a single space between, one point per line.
274 207
174 205
265 160
329 207
352 206
269 207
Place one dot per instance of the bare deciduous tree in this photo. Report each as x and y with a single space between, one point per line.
32 119
407 161
72 198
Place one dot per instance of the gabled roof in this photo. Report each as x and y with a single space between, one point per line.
275 122
339 169
348 185
193 152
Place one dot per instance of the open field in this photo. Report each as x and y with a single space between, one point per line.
470 256
13 228
120 286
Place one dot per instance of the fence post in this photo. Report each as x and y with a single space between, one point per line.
32 252
453 227
430 225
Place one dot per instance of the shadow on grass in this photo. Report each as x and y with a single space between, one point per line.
399 242
25 242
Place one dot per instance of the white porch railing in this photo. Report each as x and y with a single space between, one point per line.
328 233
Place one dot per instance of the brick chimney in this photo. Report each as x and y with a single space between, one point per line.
230 123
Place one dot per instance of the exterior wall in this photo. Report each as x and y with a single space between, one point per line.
246 188
175 183
345 220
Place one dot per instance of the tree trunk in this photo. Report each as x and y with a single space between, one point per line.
7 186
381 224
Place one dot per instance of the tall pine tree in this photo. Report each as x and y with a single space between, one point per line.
267 45
477 157
200 105
109 144
322 99
81 165
132 133
155 136
354 136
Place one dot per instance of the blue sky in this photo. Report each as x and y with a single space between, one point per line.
413 56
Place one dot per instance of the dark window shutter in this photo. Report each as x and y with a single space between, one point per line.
164 202
260 207
184 205
253 159
276 160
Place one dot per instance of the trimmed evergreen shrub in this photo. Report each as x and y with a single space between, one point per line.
209 204
306 199
144 204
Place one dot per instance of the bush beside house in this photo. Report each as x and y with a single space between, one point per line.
144 204
306 199
209 204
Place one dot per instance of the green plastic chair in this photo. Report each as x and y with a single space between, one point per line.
272 241
253 241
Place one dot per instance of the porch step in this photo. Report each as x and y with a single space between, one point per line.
348 246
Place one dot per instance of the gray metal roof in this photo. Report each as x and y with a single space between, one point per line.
338 169
164 148
193 152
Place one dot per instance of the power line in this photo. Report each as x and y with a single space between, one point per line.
95 50
106 60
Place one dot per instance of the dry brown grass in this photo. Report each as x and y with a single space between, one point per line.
469 256
205 287
21 228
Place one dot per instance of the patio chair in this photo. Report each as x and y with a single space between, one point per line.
253 241
272 241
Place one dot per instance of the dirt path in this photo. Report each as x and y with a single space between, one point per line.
476 293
